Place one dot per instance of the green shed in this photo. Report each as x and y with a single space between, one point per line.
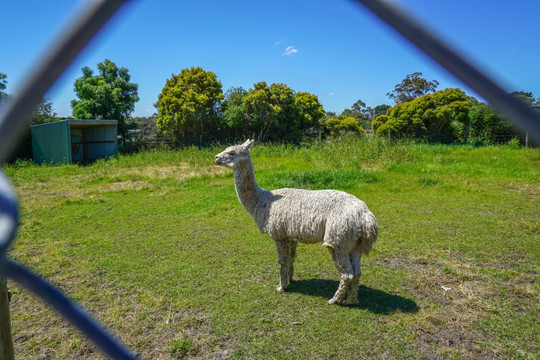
67 141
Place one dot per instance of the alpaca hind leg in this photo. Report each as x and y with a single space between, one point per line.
284 260
352 297
293 245
344 266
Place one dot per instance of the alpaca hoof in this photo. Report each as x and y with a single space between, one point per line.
333 301
279 288
352 302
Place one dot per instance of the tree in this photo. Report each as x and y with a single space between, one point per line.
234 110
487 124
359 106
379 110
411 87
43 112
287 119
3 82
261 114
108 95
310 111
441 116
189 103
339 125
274 112
363 113
526 97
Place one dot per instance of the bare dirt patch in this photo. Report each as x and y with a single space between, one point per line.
443 341
181 172
455 293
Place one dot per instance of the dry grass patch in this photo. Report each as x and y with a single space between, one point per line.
456 294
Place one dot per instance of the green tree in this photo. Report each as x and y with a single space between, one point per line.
339 125
3 83
411 87
188 104
487 124
108 95
234 111
526 97
43 112
359 106
360 110
274 112
357 111
310 111
442 116
287 124
363 113
379 110
271 110
259 111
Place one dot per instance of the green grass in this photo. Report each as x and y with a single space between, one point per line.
158 248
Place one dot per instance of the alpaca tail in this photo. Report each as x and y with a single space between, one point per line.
369 232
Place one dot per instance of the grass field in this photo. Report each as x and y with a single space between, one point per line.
158 248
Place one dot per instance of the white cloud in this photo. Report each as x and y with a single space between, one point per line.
279 42
331 94
290 50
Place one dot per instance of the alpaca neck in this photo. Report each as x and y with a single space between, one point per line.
247 189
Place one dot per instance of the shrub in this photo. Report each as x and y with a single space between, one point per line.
338 125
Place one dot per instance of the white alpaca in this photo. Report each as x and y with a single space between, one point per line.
342 222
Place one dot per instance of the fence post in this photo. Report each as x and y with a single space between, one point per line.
6 343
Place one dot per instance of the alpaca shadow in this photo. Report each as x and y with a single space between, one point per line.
373 300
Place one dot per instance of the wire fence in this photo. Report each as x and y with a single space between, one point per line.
77 37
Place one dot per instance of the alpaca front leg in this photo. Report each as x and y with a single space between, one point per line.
285 262
293 245
283 278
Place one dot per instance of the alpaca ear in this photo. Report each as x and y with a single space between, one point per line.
248 144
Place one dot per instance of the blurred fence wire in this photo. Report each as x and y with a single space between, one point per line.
14 121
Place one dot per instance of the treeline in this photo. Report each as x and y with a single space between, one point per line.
192 105
445 116
193 109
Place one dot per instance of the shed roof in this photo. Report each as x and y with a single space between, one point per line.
84 123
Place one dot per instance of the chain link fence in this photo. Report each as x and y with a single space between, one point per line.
14 121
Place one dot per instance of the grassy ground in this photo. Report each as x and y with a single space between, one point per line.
158 248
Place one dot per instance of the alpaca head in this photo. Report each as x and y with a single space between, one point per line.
234 156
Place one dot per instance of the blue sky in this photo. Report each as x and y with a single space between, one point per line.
334 49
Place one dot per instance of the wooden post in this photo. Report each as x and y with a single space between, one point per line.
6 343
